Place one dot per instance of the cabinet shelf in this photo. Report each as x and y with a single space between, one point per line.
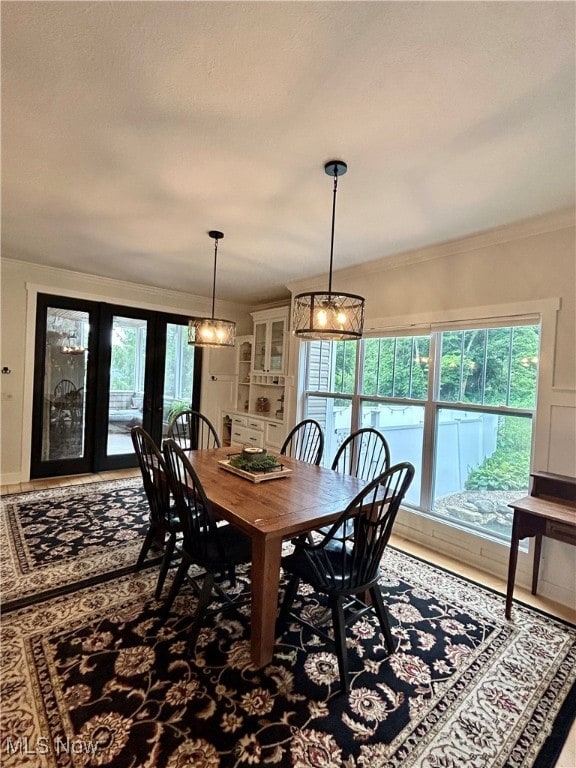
267 384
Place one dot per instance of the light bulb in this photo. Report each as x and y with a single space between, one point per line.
341 318
322 318
206 332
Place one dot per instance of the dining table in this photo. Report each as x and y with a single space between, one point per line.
271 513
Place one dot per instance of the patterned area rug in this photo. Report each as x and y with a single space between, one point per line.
98 678
60 538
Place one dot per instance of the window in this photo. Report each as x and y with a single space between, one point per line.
457 403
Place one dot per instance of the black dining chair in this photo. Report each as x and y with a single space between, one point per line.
193 430
344 565
305 442
364 454
164 521
216 549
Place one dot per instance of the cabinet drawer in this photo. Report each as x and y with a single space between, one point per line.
239 421
255 424
245 436
274 435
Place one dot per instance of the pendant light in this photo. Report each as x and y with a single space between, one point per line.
327 315
211 331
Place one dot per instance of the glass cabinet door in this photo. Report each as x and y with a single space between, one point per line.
277 346
260 335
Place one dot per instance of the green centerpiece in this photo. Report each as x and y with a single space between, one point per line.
257 463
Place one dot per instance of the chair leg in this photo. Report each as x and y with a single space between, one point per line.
340 642
145 547
289 595
378 604
203 603
177 583
168 552
232 575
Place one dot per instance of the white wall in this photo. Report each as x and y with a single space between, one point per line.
526 268
20 284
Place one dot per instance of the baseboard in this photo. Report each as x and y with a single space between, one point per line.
12 478
487 556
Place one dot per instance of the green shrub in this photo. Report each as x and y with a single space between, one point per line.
508 468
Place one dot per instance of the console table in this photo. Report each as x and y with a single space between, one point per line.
550 511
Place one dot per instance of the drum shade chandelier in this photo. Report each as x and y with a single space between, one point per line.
211 331
327 315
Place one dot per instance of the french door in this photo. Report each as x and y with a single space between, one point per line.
101 369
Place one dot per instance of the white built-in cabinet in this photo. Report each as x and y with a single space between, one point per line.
258 417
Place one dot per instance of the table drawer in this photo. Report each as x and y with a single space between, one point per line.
561 531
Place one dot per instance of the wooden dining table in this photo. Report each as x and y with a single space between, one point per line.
270 513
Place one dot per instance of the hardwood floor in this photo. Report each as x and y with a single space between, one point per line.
567 758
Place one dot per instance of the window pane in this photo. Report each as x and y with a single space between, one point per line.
334 414
396 367
524 373
403 428
496 366
482 462
331 366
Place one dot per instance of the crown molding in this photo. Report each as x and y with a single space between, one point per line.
106 289
537 225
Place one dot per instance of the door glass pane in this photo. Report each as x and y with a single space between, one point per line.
127 369
64 384
178 373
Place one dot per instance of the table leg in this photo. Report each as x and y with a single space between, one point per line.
266 555
536 562
512 565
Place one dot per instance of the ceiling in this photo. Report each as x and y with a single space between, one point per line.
129 129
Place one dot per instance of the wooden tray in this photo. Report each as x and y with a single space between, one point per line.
255 477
